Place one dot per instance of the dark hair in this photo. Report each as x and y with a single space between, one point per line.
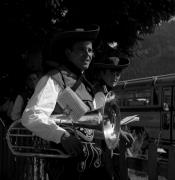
57 57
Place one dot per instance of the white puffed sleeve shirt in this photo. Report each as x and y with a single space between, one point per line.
37 114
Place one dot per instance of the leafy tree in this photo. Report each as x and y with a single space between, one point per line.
122 20
125 21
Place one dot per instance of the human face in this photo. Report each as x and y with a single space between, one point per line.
32 80
111 77
81 54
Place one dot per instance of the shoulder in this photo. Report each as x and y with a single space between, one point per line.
64 77
98 87
57 76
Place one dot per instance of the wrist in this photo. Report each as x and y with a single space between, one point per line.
64 135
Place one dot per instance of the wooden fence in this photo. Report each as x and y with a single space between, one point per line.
154 166
18 167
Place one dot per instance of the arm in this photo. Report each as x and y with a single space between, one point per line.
126 138
37 114
17 108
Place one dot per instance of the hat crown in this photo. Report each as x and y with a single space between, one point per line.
114 60
79 29
110 58
89 32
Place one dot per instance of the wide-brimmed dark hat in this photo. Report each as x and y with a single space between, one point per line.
110 58
64 35
81 32
114 63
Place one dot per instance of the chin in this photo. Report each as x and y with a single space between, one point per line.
85 67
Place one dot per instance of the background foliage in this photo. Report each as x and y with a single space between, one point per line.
155 55
126 21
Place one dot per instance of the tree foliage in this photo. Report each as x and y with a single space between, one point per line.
124 21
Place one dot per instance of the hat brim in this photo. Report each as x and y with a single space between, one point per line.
89 33
109 66
123 63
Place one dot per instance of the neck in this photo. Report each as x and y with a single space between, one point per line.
74 68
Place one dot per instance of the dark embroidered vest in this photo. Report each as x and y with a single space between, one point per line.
66 79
